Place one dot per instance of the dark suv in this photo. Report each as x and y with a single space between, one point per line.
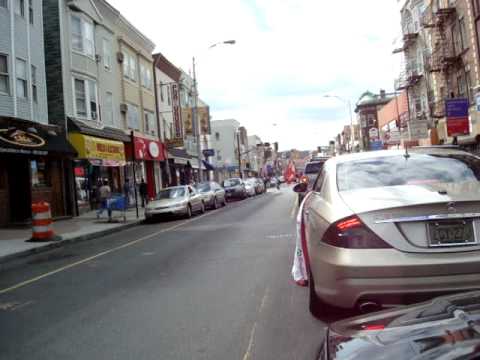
312 169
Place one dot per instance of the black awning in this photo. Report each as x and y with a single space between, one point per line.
104 132
30 138
208 166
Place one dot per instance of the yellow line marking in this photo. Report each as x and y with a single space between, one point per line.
264 300
248 353
103 253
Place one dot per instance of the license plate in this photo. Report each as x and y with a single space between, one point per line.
451 233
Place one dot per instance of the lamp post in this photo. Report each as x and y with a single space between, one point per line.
348 103
195 120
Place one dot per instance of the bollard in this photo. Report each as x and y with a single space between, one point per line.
42 222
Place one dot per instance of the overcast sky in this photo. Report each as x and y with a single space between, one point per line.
289 54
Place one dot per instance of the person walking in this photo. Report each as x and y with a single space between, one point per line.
126 191
105 192
143 192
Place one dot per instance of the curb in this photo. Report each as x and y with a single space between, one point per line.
60 243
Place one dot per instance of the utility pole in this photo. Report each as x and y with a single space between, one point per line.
239 155
196 123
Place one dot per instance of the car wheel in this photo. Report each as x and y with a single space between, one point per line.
189 211
202 208
318 308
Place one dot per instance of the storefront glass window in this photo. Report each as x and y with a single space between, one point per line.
38 171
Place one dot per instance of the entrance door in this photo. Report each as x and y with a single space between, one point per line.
20 191
150 179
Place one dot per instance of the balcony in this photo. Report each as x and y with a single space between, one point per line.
444 57
409 77
436 15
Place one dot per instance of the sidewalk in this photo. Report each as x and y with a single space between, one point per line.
13 242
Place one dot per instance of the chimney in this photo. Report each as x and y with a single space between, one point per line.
382 94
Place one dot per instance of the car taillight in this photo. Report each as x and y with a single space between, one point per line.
304 179
352 233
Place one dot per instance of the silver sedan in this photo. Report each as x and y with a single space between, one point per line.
383 228
176 200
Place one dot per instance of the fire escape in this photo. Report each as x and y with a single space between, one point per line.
412 72
444 55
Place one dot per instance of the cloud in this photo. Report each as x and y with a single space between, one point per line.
288 55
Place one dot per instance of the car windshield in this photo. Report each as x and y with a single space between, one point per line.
313 168
250 182
172 193
203 187
415 169
231 182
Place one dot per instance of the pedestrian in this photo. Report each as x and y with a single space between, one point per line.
105 192
126 191
143 192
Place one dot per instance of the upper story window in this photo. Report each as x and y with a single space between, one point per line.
133 117
4 77
4 3
82 36
130 66
161 92
107 54
217 136
169 97
86 103
20 7
21 72
150 127
34 84
146 76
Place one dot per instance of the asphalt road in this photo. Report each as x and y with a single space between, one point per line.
214 287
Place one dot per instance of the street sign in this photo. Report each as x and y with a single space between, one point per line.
208 152
457 116
376 145
418 129
373 134
174 143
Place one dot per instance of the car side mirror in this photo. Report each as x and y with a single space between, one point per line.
300 188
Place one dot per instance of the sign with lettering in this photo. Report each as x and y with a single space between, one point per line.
177 114
21 138
457 116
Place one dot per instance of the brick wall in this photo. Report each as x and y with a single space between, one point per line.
53 62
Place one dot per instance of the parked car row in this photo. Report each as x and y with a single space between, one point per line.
186 200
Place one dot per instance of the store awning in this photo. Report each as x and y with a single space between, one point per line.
75 125
100 152
208 166
30 138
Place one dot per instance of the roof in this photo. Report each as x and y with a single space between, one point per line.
106 132
370 99
162 63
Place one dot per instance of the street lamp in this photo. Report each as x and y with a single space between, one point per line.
349 104
194 110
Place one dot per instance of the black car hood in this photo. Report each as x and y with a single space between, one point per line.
444 328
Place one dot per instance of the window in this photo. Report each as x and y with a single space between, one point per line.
468 80
150 127
86 103
4 3
217 136
146 76
371 120
129 67
462 90
161 92
320 180
30 11
133 117
21 71
82 36
107 54
108 118
20 7
39 173
169 99
4 79
463 34
34 84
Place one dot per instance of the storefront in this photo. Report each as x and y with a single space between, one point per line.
35 163
98 160
146 155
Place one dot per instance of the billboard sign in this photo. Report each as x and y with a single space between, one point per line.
457 116
418 130
177 113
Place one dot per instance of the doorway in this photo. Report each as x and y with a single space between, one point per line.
20 193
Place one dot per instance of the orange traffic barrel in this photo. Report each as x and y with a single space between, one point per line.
42 222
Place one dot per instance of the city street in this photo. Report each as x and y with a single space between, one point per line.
217 286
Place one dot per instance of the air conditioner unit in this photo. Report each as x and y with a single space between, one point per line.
120 57
123 108
98 58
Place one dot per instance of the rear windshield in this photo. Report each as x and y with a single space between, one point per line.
313 168
231 182
172 193
203 187
415 169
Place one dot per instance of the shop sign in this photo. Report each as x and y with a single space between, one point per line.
177 116
187 120
89 147
418 130
174 143
21 138
203 114
146 149
373 133
457 116
208 152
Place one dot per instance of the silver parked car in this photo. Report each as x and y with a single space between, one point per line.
213 194
385 227
176 200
